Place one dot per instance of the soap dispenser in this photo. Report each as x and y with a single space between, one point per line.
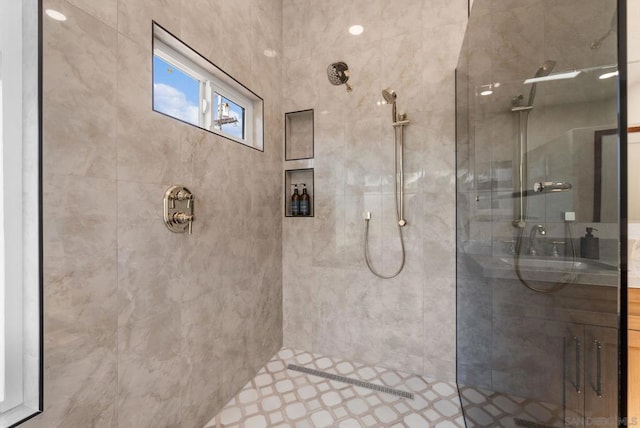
590 245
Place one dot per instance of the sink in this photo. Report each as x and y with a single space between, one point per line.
547 263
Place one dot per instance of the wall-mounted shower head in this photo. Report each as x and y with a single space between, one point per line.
544 70
390 97
338 74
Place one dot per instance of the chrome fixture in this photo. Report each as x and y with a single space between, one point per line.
554 250
538 228
595 44
390 96
338 74
551 186
178 209
521 150
543 71
399 121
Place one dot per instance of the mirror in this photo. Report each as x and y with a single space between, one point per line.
587 159
605 184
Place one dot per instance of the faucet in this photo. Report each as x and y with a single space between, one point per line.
532 236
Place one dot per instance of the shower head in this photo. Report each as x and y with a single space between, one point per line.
544 70
338 74
390 97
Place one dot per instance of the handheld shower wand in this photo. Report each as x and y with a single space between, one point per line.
398 123
390 96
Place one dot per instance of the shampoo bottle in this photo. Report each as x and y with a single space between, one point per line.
295 201
305 201
590 245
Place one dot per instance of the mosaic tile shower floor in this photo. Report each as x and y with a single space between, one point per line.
278 397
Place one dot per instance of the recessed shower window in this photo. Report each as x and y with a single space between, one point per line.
188 87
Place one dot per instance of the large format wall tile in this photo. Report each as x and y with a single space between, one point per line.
80 297
145 327
79 81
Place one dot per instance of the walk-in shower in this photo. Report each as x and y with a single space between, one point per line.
398 121
529 180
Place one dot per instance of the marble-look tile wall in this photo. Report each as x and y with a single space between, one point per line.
144 327
333 305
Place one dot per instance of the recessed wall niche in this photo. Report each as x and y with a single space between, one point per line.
298 137
303 179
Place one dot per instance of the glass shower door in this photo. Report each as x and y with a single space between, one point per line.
537 214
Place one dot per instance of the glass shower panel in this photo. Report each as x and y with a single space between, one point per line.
537 168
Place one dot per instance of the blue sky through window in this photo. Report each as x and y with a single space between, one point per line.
174 92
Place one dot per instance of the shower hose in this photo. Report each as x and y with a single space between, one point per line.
398 204
567 278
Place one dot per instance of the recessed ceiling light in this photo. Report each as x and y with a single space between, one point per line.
54 14
356 30
486 92
608 75
270 53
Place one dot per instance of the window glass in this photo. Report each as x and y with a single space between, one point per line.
175 93
192 89
228 117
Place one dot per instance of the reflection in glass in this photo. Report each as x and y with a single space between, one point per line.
526 358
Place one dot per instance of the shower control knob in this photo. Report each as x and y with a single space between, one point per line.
182 218
178 209
184 195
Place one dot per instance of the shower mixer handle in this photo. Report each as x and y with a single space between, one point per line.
179 209
182 218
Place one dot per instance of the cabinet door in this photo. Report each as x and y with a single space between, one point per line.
601 372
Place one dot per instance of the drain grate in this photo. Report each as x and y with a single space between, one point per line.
350 381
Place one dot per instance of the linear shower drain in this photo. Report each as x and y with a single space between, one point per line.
351 381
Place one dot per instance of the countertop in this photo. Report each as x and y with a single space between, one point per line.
596 273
